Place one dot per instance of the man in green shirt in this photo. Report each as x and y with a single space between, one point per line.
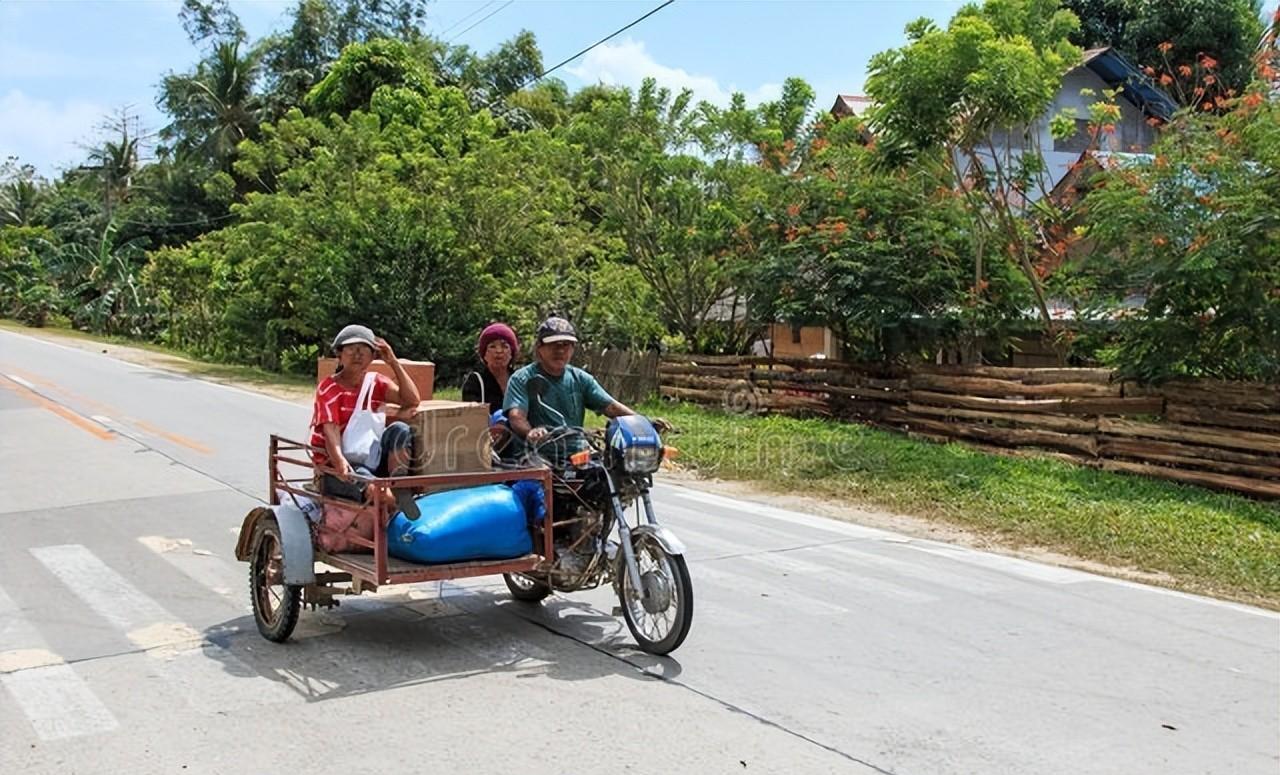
570 391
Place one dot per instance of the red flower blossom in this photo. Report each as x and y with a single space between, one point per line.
793 210
1165 47
1151 71
1184 71
1166 79
1208 62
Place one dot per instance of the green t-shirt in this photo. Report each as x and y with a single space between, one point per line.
571 394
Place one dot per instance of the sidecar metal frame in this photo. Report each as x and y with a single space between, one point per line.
374 568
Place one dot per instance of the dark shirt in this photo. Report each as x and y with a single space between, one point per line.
482 387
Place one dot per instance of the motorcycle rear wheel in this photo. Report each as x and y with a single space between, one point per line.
661 620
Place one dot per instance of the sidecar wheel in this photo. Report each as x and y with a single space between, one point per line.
276 605
660 619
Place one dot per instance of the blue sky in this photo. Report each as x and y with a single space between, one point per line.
65 64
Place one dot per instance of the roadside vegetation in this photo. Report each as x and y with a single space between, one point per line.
351 166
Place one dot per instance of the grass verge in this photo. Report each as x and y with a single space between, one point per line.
1196 539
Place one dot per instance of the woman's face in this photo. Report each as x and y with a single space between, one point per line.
355 358
497 355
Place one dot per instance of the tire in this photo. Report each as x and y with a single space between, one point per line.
669 576
275 606
526 589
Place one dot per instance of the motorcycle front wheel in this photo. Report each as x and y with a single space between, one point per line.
660 615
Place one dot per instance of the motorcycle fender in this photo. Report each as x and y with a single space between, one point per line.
665 538
295 539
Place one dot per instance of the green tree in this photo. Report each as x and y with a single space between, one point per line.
27 292
1169 35
214 107
1196 232
21 193
361 70
993 73
296 60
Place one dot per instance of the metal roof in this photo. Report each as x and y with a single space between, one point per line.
1136 87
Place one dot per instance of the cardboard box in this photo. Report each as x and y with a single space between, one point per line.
423 373
450 437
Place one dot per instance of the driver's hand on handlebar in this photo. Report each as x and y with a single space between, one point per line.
536 435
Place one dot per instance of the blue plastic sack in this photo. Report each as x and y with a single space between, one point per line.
476 523
530 493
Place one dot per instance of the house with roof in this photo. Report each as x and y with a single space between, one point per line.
1142 106
1140 100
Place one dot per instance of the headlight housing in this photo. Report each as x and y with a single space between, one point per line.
641 460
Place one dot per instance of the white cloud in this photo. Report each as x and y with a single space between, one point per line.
47 134
626 63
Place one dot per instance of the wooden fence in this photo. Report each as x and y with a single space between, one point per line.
629 377
1224 435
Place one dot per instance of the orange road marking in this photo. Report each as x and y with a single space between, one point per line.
175 438
61 411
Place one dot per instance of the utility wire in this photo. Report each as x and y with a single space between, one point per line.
483 19
561 64
454 26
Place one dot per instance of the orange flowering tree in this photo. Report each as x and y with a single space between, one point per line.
1196 233
880 257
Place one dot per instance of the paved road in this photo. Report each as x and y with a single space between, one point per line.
818 646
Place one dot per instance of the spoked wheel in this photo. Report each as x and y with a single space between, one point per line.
524 588
275 604
659 619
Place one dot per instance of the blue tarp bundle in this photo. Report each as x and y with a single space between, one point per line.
476 523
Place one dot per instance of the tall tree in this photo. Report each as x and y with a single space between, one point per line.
296 60
214 107
995 70
21 192
1169 35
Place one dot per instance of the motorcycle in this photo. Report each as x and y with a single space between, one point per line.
597 477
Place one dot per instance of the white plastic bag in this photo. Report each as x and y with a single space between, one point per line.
362 438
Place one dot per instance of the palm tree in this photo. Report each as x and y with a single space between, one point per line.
215 107
18 200
115 162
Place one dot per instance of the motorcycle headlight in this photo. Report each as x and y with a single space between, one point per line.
641 460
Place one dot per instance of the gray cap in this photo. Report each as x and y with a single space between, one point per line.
354 334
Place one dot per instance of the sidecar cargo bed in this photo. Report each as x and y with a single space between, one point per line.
362 566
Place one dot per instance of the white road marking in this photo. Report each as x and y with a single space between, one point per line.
932 575
825 524
58 703
751 590
1051 574
210 677
21 381
201 566
138 367
111 596
53 697
102 418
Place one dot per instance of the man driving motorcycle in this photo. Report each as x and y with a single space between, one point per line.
567 391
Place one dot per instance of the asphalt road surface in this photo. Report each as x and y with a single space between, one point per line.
126 643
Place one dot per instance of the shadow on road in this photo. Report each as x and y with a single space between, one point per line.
411 638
